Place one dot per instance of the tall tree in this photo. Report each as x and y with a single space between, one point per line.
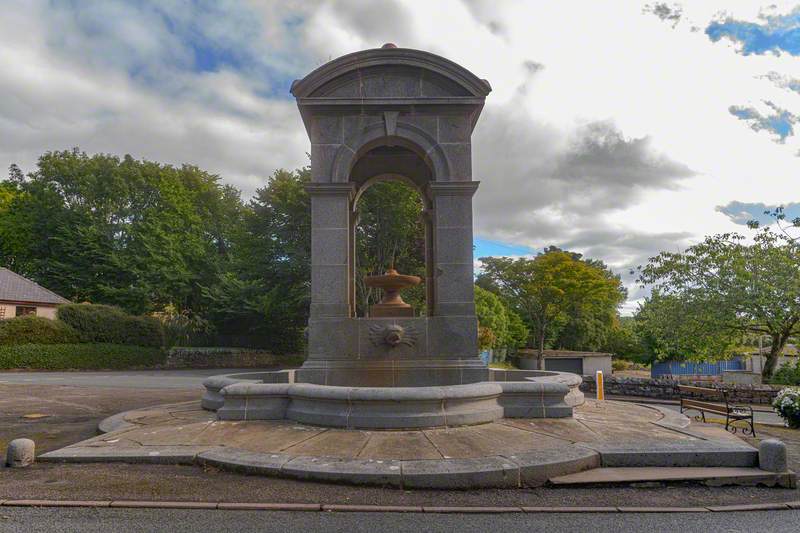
545 288
724 287
265 294
121 231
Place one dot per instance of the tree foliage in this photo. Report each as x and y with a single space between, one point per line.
556 291
148 237
707 297
120 231
390 233
503 328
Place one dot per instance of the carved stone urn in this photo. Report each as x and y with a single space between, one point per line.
392 304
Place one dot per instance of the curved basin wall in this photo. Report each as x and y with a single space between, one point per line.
247 397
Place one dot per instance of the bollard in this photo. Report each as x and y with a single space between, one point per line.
599 381
20 453
772 456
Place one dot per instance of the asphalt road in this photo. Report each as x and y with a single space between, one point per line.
176 521
191 379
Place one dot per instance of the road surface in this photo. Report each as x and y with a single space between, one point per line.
24 520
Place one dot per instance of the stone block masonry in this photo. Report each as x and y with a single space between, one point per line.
667 389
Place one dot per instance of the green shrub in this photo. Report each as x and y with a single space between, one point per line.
787 374
106 324
35 329
618 365
79 356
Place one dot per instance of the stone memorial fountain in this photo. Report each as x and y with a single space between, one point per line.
383 114
394 113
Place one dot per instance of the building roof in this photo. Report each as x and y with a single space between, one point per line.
15 288
530 352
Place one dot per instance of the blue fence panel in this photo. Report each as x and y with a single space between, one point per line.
688 368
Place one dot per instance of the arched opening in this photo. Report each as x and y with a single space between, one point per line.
389 233
391 226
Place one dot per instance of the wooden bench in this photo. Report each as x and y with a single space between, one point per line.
715 401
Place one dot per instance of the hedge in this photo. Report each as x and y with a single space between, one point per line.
106 324
35 329
79 356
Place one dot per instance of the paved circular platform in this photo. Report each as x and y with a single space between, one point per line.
506 453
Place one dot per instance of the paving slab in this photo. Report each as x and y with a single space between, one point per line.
674 454
633 475
400 445
153 454
332 443
175 433
507 453
567 429
461 443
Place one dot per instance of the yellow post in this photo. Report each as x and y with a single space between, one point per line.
599 381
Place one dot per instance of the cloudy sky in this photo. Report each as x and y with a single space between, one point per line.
617 129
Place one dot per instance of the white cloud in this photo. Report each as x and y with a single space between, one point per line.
598 112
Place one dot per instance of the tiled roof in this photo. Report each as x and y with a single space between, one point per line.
15 288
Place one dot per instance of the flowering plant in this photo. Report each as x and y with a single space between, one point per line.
787 403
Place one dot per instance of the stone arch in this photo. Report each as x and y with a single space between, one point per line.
406 135
426 201
428 259
467 83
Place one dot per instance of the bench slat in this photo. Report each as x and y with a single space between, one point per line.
706 391
709 407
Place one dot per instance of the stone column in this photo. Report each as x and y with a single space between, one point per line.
330 249
453 263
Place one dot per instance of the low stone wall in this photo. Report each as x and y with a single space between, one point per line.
180 357
667 389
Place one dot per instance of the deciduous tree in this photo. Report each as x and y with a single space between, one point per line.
708 296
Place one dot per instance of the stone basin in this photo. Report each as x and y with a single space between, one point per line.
275 396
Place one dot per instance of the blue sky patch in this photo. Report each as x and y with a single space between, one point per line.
779 122
784 82
743 212
490 248
774 34
152 41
